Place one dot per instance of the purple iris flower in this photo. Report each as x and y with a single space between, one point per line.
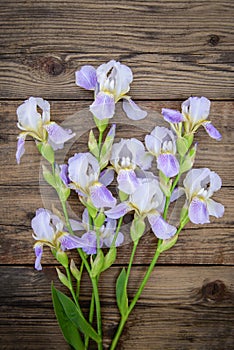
195 111
147 201
49 230
161 143
111 83
127 156
39 126
200 185
83 175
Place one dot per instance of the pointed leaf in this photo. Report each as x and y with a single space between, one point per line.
67 327
74 314
121 293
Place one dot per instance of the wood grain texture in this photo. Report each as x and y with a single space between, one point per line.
176 48
156 76
198 314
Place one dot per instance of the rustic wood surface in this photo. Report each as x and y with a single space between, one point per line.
175 49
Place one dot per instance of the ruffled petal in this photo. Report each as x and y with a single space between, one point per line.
57 135
41 225
20 148
127 181
197 108
107 176
198 212
172 116
28 116
212 131
86 77
119 240
132 110
103 106
214 208
101 197
118 211
168 164
160 227
64 174
38 248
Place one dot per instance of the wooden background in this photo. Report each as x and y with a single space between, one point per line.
176 49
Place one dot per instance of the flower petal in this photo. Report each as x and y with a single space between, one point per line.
214 208
38 248
89 242
118 211
76 225
119 240
86 77
172 116
41 225
101 197
132 110
212 131
168 164
20 148
58 135
160 227
64 174
107 176
127 181
177 193
198 212
103 106
196 108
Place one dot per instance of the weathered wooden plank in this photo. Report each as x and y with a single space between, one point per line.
156 76
193 304
127 27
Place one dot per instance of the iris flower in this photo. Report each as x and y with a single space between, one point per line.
147 201
111 83
83 175
195 111
161 143
126 157
49 230
200 185
39 126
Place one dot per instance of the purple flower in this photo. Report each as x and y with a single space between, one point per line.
49 230
83 174
39 126
162 144
107 232
126 157
111 83
200 185
195 111
147 201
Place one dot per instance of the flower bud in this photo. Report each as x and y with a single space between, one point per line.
62 258
137 228
97 264
92 143
63 279
74 270
99 220
109 258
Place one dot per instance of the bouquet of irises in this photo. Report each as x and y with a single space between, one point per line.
147 177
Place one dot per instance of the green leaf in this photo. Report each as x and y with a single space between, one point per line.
76 317
121 293
168 243
46 151
70 332
109 258
182 146
63 279
97 264
49 177
92 143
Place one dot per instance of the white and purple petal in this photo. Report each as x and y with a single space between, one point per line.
160 227
38 248
57 135
198 212
107 176
118 211
101 197
86 77
41 225
212 131
20 148
168 164
214 208
132 110
64 174
127 181
172 116
196 108
103 106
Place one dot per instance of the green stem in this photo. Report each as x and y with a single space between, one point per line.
98 309
131 261
71 288
134 301
117 232
91 314
168 199
78 282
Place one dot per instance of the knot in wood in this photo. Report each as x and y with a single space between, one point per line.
52 66
214 290
214 40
